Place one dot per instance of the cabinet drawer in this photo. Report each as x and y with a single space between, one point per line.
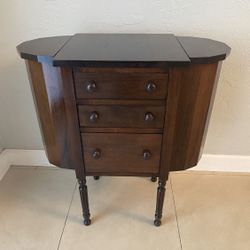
121 153
121 85
118 116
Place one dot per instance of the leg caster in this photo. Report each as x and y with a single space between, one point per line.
96 177
84 200
153 179
159 203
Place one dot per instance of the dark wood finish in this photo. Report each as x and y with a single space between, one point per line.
72 136
159 201
43 110
42 49
114 49
120 86
119 70
53 93
126 50
123 105
85 201
121 152
121 116
186 113
121 102
123 130
210 107
203 50
121 173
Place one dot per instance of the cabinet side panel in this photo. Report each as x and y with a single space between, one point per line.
43 110
189 97
211 106
200 118
56 101
53 93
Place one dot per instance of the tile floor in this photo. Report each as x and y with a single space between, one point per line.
40 209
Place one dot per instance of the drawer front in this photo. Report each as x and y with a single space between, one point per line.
121 153
121 85
121 116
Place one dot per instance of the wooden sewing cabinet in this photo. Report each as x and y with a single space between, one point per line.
123 104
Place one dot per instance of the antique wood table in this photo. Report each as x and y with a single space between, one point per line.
123 104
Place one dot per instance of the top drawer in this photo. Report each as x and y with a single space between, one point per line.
120 85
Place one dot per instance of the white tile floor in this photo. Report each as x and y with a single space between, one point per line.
40 209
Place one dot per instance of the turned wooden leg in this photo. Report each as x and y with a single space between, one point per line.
159 203
85 201
153 179
96 177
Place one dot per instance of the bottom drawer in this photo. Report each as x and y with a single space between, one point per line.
121 153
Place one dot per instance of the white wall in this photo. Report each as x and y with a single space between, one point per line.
227 21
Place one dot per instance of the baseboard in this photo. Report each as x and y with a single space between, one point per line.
226 163
21 157
4 163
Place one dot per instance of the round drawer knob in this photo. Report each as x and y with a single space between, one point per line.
146 154
91 87
149 117
150 87
93 116
96 154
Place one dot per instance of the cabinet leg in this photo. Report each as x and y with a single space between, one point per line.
153 179
85 201
96 177
159 203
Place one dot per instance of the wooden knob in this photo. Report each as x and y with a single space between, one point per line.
150 87
146 154
96 154
149 117
91 87
93 116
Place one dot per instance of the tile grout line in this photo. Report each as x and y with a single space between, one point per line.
66 218
175 211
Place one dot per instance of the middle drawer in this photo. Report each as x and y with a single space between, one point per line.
121 116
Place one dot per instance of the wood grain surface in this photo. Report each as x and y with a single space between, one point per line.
121 152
